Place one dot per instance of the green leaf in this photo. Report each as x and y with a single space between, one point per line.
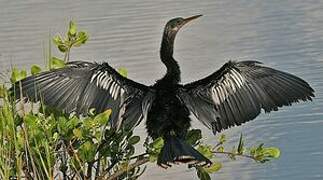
17 75
222 139
35 69
241 145
193 136
62 128
220 149
123 72
73 122
87 151
153 157
202 174
154 148
134 140
206 150
77 133
81 38
72 29
158 144
216 166
103 117
62 47
56 63
271 152
3 91
57 40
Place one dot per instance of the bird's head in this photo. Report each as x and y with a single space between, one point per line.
174 25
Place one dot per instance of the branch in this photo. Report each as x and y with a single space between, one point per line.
235 154
139 156
130 167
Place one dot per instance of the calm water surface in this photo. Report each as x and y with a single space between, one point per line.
286 35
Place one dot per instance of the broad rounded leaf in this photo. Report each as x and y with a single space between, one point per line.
35 69
88 151
205 150
202 174
17 75
77 133
58 40
103 117
134 140
272 152
56 63
123 72
216 166
158 144
62 47
72 29
2 91
81 38
193 136
153 157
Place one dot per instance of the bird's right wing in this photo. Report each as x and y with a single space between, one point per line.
81 86
238 91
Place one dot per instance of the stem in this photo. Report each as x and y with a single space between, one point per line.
67 54
138 156
235 154
97 171
89 170
129 168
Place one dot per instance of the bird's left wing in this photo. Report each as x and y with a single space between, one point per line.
81 86
238 91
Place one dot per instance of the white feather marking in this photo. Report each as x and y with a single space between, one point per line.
235 81
122 92
238 78
93 77
117 92
242 79
104 82
111 87
107 85
122 110
219 92
145 107
98 78
223 92
102 77
215 96
232 85
227 86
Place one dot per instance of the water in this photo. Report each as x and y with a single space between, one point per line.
287 35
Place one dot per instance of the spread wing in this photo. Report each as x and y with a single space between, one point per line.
238 91
80 86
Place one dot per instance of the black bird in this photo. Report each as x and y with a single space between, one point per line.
232 95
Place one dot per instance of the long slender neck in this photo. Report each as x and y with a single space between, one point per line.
166 55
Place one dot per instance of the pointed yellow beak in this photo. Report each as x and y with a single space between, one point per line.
189 19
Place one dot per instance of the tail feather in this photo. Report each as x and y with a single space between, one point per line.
176 151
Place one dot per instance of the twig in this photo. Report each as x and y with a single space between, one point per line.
129 168
138 156
235 154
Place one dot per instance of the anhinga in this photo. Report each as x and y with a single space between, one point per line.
232 95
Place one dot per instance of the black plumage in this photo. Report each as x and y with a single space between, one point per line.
234 94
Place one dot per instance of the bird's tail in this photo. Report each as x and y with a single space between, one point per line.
176 150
